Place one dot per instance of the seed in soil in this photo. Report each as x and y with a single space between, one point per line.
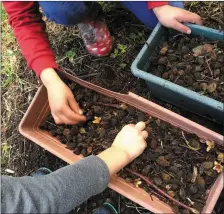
207 165
193 189
165 177
162 161
146 169
200 183
153 143
157 181
182 193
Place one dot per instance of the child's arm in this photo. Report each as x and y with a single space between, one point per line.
62 190
29 29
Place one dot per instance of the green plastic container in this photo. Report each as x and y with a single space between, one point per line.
170 92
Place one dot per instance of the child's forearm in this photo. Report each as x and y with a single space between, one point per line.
58 192
49 76
115 159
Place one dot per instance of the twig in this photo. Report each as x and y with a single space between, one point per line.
211 72
176 79
87 75
129 205
202 81
69 70
119 203
217 20
188 143
84 76
51 123
162 192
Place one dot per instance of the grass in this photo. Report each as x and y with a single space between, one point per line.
16 94
9 52
3 13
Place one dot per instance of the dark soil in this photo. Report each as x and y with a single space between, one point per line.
211 12
192 62
120 203
169 159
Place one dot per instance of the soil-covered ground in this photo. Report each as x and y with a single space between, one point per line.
19 84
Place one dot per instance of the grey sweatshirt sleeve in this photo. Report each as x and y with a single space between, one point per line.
58 192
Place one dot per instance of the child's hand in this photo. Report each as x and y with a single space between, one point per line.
64 108
128 145
131 140
172 17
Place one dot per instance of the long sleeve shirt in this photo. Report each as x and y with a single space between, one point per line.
58 192
29 30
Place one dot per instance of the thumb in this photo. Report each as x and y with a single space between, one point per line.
74 105
181 27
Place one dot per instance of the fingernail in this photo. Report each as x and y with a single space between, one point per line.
80 112
189 31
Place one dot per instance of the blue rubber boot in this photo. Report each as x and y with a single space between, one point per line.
106 208
41 171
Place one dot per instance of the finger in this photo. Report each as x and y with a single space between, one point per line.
145 134
190 17
131 125
67 121
56 119
140 126
180 27
74 105
72 116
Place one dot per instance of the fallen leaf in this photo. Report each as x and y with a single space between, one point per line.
218 167
210 145
171 193
164 49
168 186
137 182
97 120
124 106
211 87
220 157
9 171
204 86
202 49
197 50
82 131
207 48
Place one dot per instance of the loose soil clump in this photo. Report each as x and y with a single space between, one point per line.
192 62
179 163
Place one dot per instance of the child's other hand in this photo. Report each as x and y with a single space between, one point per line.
131 140
64 107
172 17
